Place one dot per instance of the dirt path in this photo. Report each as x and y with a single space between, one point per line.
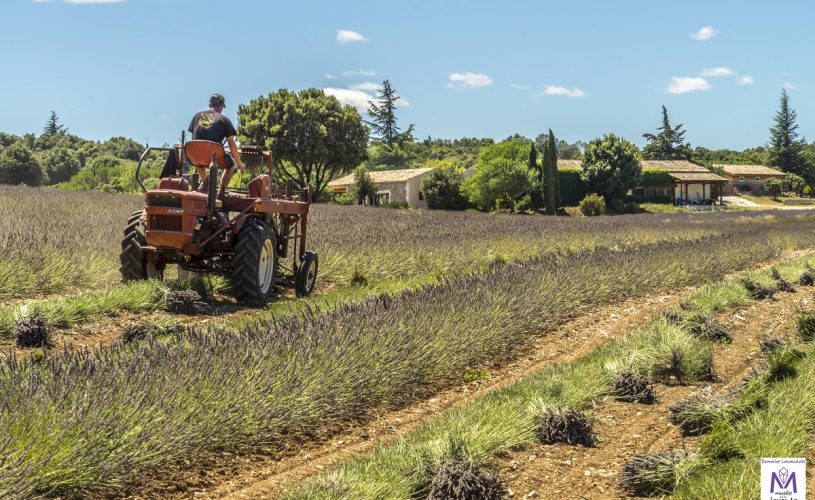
561 471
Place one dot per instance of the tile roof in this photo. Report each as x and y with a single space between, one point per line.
672 166
697 177
751 170
577 164
382 176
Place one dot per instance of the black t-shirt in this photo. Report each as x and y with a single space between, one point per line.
211 126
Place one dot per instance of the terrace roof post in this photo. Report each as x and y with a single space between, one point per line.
703 192
686 193
673 193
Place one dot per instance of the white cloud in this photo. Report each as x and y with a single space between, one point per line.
685 84
351 97
558 90
366 86
745 80
717 71
704 34
468 80
790 85
329 76
359 72
348 36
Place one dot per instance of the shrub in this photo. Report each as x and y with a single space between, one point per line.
442 190
704 327
807 278
501 173
631 386
593 204
696 414
60 165
774 187
184 302
805 326
781 284
572 187
651 474
18 165
32 332
781 363
363 188
344 199
565 426
756 290
460 479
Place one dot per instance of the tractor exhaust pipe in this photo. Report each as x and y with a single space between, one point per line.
212 185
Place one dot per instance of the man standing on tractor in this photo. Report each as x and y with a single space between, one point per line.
212 126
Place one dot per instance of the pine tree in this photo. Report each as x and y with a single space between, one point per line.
668 143
556 172
536 195
550 169
785 149
383 117
52 126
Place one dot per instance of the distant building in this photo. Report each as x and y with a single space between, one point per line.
691 183
392 186
748 178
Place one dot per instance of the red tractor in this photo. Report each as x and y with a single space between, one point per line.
244 234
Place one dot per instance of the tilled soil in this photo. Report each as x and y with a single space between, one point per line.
625 429
266 472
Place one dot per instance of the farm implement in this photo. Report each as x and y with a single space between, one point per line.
245 234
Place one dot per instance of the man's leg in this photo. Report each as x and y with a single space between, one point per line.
225 178
202 179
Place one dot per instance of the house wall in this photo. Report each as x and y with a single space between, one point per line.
749 184
694 192
398 190
415 197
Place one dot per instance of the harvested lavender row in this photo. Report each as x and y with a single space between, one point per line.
102 418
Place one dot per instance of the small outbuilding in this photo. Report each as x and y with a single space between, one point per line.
748 178
392 186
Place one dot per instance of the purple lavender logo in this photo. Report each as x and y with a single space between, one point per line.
783 479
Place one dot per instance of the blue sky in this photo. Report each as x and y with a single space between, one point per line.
141 68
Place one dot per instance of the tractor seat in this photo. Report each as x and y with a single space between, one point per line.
199 153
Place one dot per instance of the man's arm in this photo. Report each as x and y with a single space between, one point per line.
233 148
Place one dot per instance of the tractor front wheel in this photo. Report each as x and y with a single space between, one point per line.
306 274
255 264
136 264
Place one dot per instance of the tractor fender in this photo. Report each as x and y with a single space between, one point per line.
239 222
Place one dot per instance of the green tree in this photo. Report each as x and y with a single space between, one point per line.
18 165
312 137
785 149
794 184
363 188
565 150
501 175
774 187
122 147
555 171
549 172
53 127
383 121
668 143
60 165
536 194
611 167
7 140
442 186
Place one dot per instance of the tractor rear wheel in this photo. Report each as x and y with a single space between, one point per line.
255 264
135 263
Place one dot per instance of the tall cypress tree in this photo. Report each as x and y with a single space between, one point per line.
556 172
550 169
537 198
785 149
383 117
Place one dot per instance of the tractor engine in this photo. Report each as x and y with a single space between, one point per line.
172 216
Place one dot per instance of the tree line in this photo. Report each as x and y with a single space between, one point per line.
314 139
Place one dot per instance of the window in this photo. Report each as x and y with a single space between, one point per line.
421 196
383 197
758 178
741 179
